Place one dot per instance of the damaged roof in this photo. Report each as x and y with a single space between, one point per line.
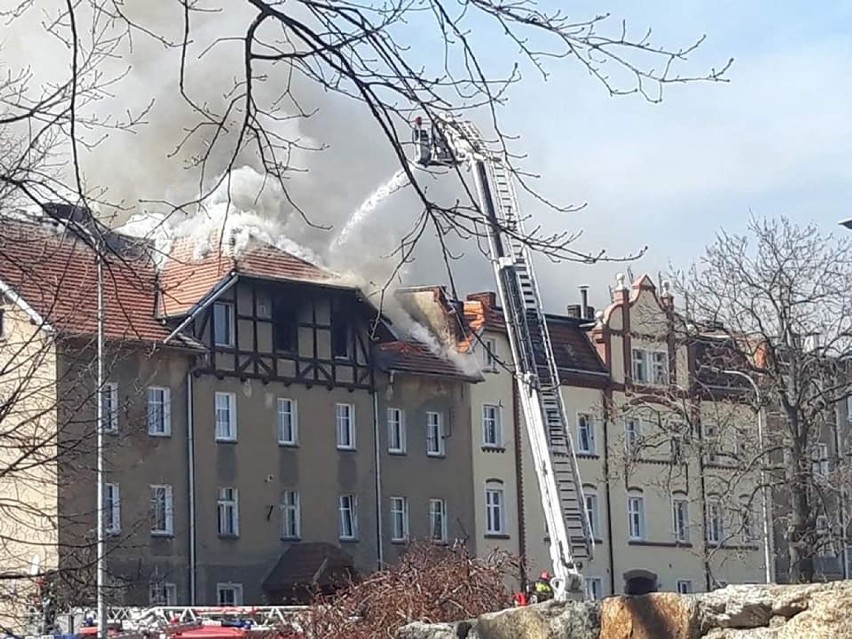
416 359
54 273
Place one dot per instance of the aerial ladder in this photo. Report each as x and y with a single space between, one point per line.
448 142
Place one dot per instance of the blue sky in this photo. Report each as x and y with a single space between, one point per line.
776 139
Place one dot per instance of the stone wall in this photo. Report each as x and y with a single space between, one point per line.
814 611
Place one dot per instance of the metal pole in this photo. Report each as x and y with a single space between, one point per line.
101 519
767 547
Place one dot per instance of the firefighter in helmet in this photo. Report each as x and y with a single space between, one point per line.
541 589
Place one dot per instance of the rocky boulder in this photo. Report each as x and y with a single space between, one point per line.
813 611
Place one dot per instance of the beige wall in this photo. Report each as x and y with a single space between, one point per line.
29 482
495 463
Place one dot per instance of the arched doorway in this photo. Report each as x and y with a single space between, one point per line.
639 582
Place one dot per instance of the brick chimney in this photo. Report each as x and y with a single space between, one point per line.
487 298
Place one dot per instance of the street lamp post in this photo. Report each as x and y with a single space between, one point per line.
767 540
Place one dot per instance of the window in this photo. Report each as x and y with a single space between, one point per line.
162 510
591 498
749 533
399 519
291 523
684 586
849 408
594 588
348 508
345 418
636 518
711 444
434 435
489 354
676 445
492 430
112 509
162 593
495 509
715 525
223 324
159 411
396 430
109 402
586 434
226 417
229 512
229 594
285 328
825 547
341 346
438 520
660 368
680 519
640 366
288 425
632 433
821 462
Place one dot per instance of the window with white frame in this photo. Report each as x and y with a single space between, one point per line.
594 588
223 324
492 429
399 518
632 434
711 443
162 593
291 516
345 420
159 411
684 586
228 507
495 508
438 520
586 434
288 422
636 517
821 463
396 431
109 403
348 517
849 408
226 417
489 354
640 366
715 521
162 510
435 446
112 509
229 594
591 498
659 367
680 519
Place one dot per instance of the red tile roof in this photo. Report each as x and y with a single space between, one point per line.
415 358
186 278
55 273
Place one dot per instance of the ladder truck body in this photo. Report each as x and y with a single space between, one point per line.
452 143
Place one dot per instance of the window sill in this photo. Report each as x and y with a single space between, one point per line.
226 440
587 455
288 444
291 539
436 455
496 536
659 544
228 537
397 453
347 449
150 434
440 542
399 542
348 540
162 534
491 448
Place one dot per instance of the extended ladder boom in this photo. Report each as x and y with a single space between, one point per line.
452 143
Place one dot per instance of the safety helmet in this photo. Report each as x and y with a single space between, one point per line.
545 575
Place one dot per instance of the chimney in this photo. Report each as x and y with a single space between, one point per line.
574 310
584 303
488 299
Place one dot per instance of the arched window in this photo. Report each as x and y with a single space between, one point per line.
495 508
635 516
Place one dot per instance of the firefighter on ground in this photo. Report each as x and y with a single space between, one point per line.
541 589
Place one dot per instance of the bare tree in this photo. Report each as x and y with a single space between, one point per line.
778 299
